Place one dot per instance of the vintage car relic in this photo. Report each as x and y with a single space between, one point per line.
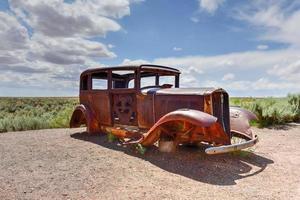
145 105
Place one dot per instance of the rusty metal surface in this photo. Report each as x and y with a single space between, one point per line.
197 126
165 104
83 115
239 121
232 147
101 110
124 108
148 67
203 113
195 117
188 91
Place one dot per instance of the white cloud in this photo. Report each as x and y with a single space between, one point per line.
278 19
235 61
46 44
289 72
210 5
110 46
56 18
246 73
134 62
67 50
262 47
194 19
228 76
11 57
13 35
266 84
258 87
177 49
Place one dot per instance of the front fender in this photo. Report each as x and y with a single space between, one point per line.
83 115
239 121
193 116
203 121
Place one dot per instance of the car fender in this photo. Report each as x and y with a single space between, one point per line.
83 115
195 117
239 121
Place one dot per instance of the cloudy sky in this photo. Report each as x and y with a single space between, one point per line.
250 48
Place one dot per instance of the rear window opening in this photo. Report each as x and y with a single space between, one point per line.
99 84
123 79
99 81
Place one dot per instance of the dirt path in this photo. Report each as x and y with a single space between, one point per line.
67 164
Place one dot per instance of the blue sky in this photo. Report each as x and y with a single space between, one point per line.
249 48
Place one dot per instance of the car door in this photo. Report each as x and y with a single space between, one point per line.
123 95
99 98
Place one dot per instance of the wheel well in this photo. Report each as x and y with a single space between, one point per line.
78 118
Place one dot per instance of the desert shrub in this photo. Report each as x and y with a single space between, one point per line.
61 119
272 114
21 123
294 101
271 111
18 114
5 125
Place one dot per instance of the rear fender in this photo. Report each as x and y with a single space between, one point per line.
83 115
203 122
239 121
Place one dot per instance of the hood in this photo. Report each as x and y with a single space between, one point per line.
187 91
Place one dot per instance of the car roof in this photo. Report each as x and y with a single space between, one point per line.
133 67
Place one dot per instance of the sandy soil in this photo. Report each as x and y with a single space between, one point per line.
67 164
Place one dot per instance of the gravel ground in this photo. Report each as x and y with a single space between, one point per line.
70 164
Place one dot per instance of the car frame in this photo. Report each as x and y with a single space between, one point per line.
114 100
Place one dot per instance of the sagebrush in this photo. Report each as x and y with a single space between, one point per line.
272 111
19 114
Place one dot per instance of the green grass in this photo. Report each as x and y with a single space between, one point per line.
19 114
271 111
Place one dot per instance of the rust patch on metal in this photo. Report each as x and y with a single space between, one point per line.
239 121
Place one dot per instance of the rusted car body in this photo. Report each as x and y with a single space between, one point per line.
143 104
